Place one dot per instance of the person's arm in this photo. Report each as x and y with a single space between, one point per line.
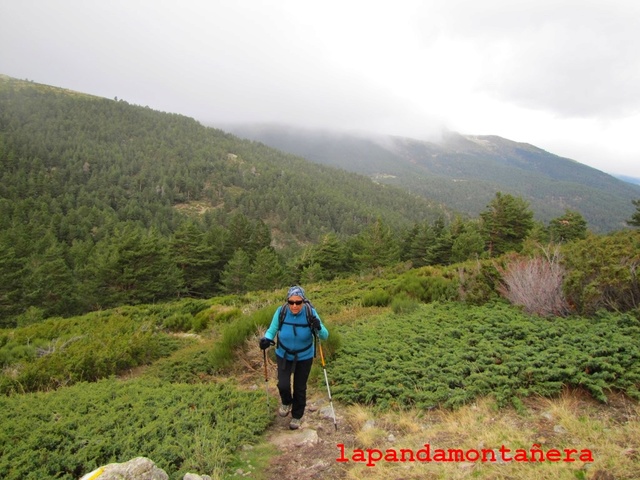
272 331
323 333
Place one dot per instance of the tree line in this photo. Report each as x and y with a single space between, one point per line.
131 264
103 203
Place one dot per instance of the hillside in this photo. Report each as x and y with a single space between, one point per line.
183 383
125 154
104 203
464 171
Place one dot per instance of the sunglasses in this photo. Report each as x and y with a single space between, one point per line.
295 302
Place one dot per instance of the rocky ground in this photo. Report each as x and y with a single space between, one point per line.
311 451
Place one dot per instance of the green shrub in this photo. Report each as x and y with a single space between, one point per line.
478 283
70 432
449 354
61 352
376 298
603 273
178 322
234 334
403 303
30 316
428 288
187 365
199 323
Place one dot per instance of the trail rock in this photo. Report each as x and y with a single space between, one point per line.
193 476
301 438
559 429
140 468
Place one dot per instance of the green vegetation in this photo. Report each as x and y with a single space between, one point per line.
446 355
464 171
400 339
602 273
183 428
139 251
104 204
634 221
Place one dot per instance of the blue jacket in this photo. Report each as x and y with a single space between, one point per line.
294 337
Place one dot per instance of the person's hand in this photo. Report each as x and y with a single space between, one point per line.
265 343
315 324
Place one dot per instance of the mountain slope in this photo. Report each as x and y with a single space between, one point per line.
464 172
139 164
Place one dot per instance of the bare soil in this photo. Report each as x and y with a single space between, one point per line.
311 451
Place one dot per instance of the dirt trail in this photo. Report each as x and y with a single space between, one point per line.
311 451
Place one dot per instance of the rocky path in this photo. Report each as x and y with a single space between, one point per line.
311 451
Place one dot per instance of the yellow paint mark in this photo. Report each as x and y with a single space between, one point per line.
96 474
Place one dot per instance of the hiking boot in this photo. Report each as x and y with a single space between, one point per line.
284 410
295 423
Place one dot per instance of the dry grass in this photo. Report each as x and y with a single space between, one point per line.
574 421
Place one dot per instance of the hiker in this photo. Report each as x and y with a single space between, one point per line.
295 323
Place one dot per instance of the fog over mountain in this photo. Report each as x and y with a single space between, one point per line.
562 75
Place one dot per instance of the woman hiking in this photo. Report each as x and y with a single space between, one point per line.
295 323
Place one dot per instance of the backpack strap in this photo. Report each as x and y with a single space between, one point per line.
281 321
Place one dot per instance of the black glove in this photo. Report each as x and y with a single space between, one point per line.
315 324
265 343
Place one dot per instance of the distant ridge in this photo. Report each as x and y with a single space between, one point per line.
464 171
632 180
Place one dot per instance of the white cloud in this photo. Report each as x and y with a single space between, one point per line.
560 74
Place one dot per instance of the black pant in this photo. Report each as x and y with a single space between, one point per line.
300 370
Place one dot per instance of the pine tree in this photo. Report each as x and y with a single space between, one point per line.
467 244
134 266
635 218
331 256
267 272
421 246
236 273
568 227
196 259
376 246
11 285
48 281
506 223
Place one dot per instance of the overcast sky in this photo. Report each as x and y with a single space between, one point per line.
563 75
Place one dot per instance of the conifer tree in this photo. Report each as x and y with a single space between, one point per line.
570 226
48 281
331 256
440 251
376 246
195 258
236 273
421 245
312 273
467 244
635 218
240 233
260 238
506 222
134 266
11 285
267 272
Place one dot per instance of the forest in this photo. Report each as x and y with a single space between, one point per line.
141 254
103 203
463 172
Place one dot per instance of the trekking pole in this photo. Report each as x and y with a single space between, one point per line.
326 379
266 379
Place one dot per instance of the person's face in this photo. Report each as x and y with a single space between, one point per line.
295 304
